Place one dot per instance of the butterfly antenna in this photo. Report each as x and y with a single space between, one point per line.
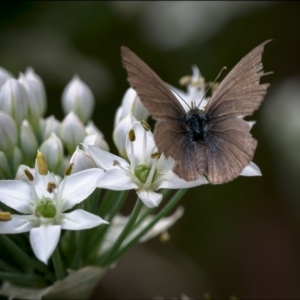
180 97
212 83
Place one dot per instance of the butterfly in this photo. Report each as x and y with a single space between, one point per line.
214 142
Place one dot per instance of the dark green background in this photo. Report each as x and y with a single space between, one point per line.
240 238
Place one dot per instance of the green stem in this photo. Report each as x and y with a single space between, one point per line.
97 234
25 262
168 207
126 230
21 279
77 256
106 203
58 266
7 267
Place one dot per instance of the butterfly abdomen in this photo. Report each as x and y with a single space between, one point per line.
196 125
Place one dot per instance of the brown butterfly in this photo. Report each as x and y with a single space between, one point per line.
216 142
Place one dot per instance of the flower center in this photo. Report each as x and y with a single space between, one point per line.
142 172
46 208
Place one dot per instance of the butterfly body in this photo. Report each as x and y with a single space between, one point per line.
216 142
196 123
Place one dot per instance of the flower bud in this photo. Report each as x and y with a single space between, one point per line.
72 131
36 98
4 167
50 125
14 100
8 132
31 75
28 142
4 75
78 97
17 158
131 104
120 133
52 148
81 161
96 140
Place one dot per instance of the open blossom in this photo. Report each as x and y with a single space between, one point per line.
118 223
43 203
147 171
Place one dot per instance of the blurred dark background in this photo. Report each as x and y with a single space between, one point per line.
240 238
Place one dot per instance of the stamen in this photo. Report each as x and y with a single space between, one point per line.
185 80
131 135
155 155
29 175
116 163
51 187
5 216
151 174
145 125
69 170
42 164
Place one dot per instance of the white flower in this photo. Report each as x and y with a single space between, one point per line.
195 91
14 100
53 150
147 171
131 105
39 90
43 204
95 137
118 223
78 97
72 131
8 132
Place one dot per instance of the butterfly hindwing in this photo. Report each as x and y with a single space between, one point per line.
230 149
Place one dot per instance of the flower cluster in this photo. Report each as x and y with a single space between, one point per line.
53 173
24 130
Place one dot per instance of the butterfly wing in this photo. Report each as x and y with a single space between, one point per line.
190 158
154 93
170 132
230 144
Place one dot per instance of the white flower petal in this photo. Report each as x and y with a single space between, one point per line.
104 159
172 181
251 170
41 183
144 145
44 240
17 195
161 226
116 179
77 187
81 161
121 132
80 219
18 224
149 197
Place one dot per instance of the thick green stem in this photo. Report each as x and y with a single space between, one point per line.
58 266
168 207
21 279
25 262
127 229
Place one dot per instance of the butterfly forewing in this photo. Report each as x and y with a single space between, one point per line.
154 93
240 93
